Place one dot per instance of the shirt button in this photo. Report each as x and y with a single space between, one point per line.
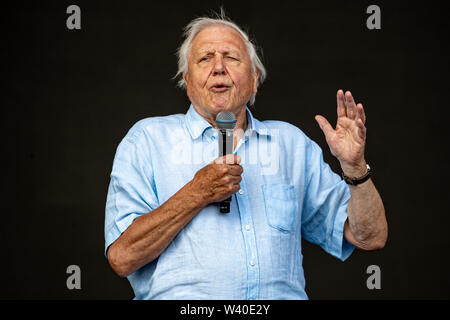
252 263
247 227
241 191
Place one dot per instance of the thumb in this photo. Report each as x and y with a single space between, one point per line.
324 125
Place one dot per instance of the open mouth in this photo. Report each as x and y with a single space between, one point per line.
219 87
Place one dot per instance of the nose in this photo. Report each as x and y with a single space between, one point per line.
219 68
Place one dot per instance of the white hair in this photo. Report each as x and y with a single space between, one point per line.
197 25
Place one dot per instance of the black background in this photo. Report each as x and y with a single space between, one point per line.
70 96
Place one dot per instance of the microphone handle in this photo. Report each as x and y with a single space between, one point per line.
226 138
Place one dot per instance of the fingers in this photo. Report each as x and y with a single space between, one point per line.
362 129
350 106
356 127
340 104
325 126
234 169
231 180
361 113
228 159
232 166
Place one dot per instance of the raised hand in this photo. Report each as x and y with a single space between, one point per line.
348 140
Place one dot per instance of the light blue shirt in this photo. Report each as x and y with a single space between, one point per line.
253 252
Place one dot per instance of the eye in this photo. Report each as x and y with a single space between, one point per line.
204 59
231 58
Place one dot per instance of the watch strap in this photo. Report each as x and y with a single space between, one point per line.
359 180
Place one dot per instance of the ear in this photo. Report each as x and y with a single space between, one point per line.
255 81
185 78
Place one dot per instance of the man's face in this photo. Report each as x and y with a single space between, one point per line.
219 74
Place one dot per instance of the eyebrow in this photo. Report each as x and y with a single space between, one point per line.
209 51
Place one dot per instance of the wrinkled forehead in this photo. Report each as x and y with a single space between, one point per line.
219 38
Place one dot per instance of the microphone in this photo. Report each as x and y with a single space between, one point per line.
225 122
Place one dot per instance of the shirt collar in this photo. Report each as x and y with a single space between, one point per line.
196 124
254 124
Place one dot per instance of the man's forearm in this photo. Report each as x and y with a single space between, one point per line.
366 225
148 235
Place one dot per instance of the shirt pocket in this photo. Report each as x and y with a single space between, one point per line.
281 205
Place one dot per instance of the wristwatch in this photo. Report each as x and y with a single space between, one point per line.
356 181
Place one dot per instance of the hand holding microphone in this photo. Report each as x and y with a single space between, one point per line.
219 180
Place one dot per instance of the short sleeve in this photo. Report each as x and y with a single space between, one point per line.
325 205
131 191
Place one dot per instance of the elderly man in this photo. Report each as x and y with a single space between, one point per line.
163 227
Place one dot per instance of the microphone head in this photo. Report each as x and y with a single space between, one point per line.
226 120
